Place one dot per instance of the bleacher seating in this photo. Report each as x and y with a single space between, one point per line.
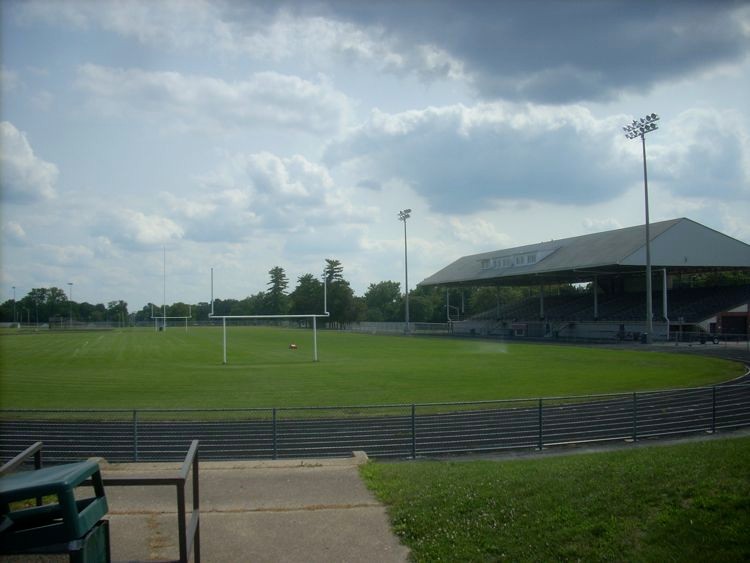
692 304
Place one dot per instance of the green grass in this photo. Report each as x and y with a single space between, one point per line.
677 503
138 368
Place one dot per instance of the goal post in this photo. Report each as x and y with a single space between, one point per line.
269 317
314 318
165 319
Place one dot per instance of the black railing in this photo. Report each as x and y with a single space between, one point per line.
382 431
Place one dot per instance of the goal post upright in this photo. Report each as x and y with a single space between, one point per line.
268 317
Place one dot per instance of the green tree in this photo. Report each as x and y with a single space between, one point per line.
334 271
56 298
383 302
277 301
307 297
341 302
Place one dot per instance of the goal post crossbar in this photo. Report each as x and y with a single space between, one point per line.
314 317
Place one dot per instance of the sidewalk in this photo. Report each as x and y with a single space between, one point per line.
279 511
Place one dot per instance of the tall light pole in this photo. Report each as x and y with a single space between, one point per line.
71 303
14 303
403 216
639 129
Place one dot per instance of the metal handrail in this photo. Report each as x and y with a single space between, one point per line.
35 449
189 533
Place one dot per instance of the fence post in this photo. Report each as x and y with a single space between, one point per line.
413 431
274 433
635 416
713 410
135 435
541 426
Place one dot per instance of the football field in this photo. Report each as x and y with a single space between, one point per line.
140 368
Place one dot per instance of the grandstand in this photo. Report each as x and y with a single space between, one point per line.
611 265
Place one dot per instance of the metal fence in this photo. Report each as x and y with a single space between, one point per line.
383 431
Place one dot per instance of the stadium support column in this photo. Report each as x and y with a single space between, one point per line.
541 301
595 287
639 129
664 308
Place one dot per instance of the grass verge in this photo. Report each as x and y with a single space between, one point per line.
687 502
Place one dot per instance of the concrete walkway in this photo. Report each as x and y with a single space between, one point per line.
281 511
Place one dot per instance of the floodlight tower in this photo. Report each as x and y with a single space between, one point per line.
403 216
639 129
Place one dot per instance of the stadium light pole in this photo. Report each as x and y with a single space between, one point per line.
14 303
403 216
71 303
639 128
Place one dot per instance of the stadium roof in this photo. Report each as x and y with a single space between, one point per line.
680 245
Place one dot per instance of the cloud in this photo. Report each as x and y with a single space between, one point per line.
137 231
600 225
563 52
263 191
67 255
175 23
708 155
266 99
14 233
478 232
26 178
465 159
9 80
545 52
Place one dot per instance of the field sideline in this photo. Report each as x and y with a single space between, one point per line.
138 368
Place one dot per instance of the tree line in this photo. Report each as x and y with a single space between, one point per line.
382 302
50 305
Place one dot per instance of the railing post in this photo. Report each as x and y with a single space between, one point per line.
635 416
196 509
413 431
181 524
274 433
713 410
135 435
541 426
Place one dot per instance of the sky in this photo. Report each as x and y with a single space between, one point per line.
143 143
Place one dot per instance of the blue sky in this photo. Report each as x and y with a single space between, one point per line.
247 135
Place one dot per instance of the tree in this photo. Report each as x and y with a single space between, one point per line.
307 297
334 271
117 311
56 297
383 301
277 301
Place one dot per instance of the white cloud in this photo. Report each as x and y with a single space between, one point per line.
478 232
249 192
464 159
136 230
176 23
266 99
26 178
14 232
67 255
9 79
600 225
708 153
